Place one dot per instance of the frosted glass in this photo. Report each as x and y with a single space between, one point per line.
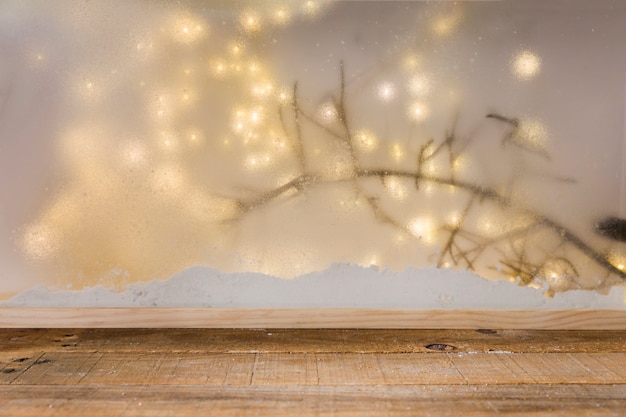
264 140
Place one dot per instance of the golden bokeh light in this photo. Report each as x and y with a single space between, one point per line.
328 112
250 21
422 228
187 29
526 65
365 141
40 242
398 152
386 91
281 16
418 111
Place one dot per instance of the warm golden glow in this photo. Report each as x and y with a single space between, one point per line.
365 141
188 29
422 228
398 152
254 162
281 16
250 22
327 112
532 132
418 111
526 65
39 242
386 91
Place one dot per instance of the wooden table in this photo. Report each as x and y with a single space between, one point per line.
218 372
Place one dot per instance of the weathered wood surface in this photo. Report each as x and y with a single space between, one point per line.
311 318
223 372
303 340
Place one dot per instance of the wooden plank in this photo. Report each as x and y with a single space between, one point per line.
495 368
311 318
305 340
569 368
285 369
58 368
336 369
349 369
171 369
418 369
523 400
13 366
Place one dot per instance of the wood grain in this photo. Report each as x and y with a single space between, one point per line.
286 372
310 318
278 401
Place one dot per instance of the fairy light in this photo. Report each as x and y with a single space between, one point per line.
254 67
386 91
236 49
312 8
281 16
327 112
418 111
526 65
422 228
258 161
188 96
446 25
88 89
250 22
39 242
169 142
398 152
365 141
194 137
487 227
454 219
219 68
284 96
531 132
371 260
617 260
255 116
187 29
262 89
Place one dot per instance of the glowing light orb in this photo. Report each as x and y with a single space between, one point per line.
386 91
398 153
39 242
422 228
328 112
365 141
526 65
418 111
281 17
250 22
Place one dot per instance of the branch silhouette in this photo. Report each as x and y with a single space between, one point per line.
462 247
